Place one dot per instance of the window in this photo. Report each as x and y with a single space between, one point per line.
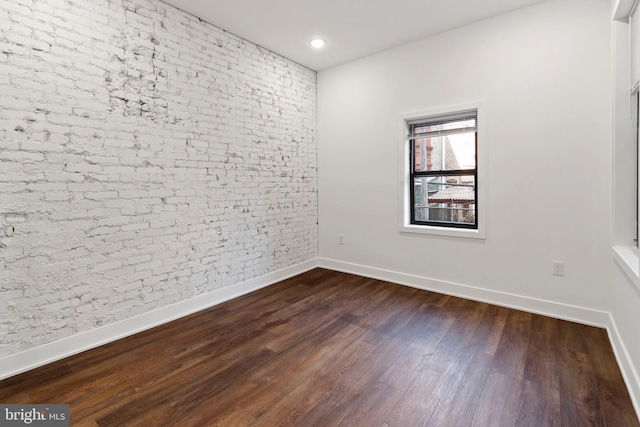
626 114
625 169
441 173
443 177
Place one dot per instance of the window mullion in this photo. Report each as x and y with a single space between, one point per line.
455 172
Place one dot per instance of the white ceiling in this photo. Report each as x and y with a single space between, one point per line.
352 28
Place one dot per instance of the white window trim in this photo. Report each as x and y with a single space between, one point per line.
404 213
627 258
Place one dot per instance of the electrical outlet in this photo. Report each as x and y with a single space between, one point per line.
558 268
341 239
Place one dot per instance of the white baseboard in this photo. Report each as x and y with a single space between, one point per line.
627 368
29 359
533 305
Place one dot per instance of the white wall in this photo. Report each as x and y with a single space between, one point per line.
544 75
146 158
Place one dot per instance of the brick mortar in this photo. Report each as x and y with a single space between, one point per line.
146 157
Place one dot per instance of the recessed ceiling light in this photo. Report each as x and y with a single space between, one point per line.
317 43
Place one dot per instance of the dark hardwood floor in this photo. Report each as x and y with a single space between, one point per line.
333 349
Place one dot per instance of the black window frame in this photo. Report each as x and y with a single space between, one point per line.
413 174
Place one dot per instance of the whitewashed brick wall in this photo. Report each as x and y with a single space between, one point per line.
146 157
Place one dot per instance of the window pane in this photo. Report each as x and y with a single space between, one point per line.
445 199
450 152
443 126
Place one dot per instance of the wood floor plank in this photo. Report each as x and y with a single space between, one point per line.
423 396
276 367
372 407
602 356
460 398
511 353
236 419
311 391
48 374
487 337
356 376
169 400
500 395
541 392
403 372
307 370
615 400
581 405
335 349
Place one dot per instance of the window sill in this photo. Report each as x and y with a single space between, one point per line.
627 259
443 231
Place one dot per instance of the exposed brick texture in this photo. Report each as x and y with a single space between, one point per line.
146 157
